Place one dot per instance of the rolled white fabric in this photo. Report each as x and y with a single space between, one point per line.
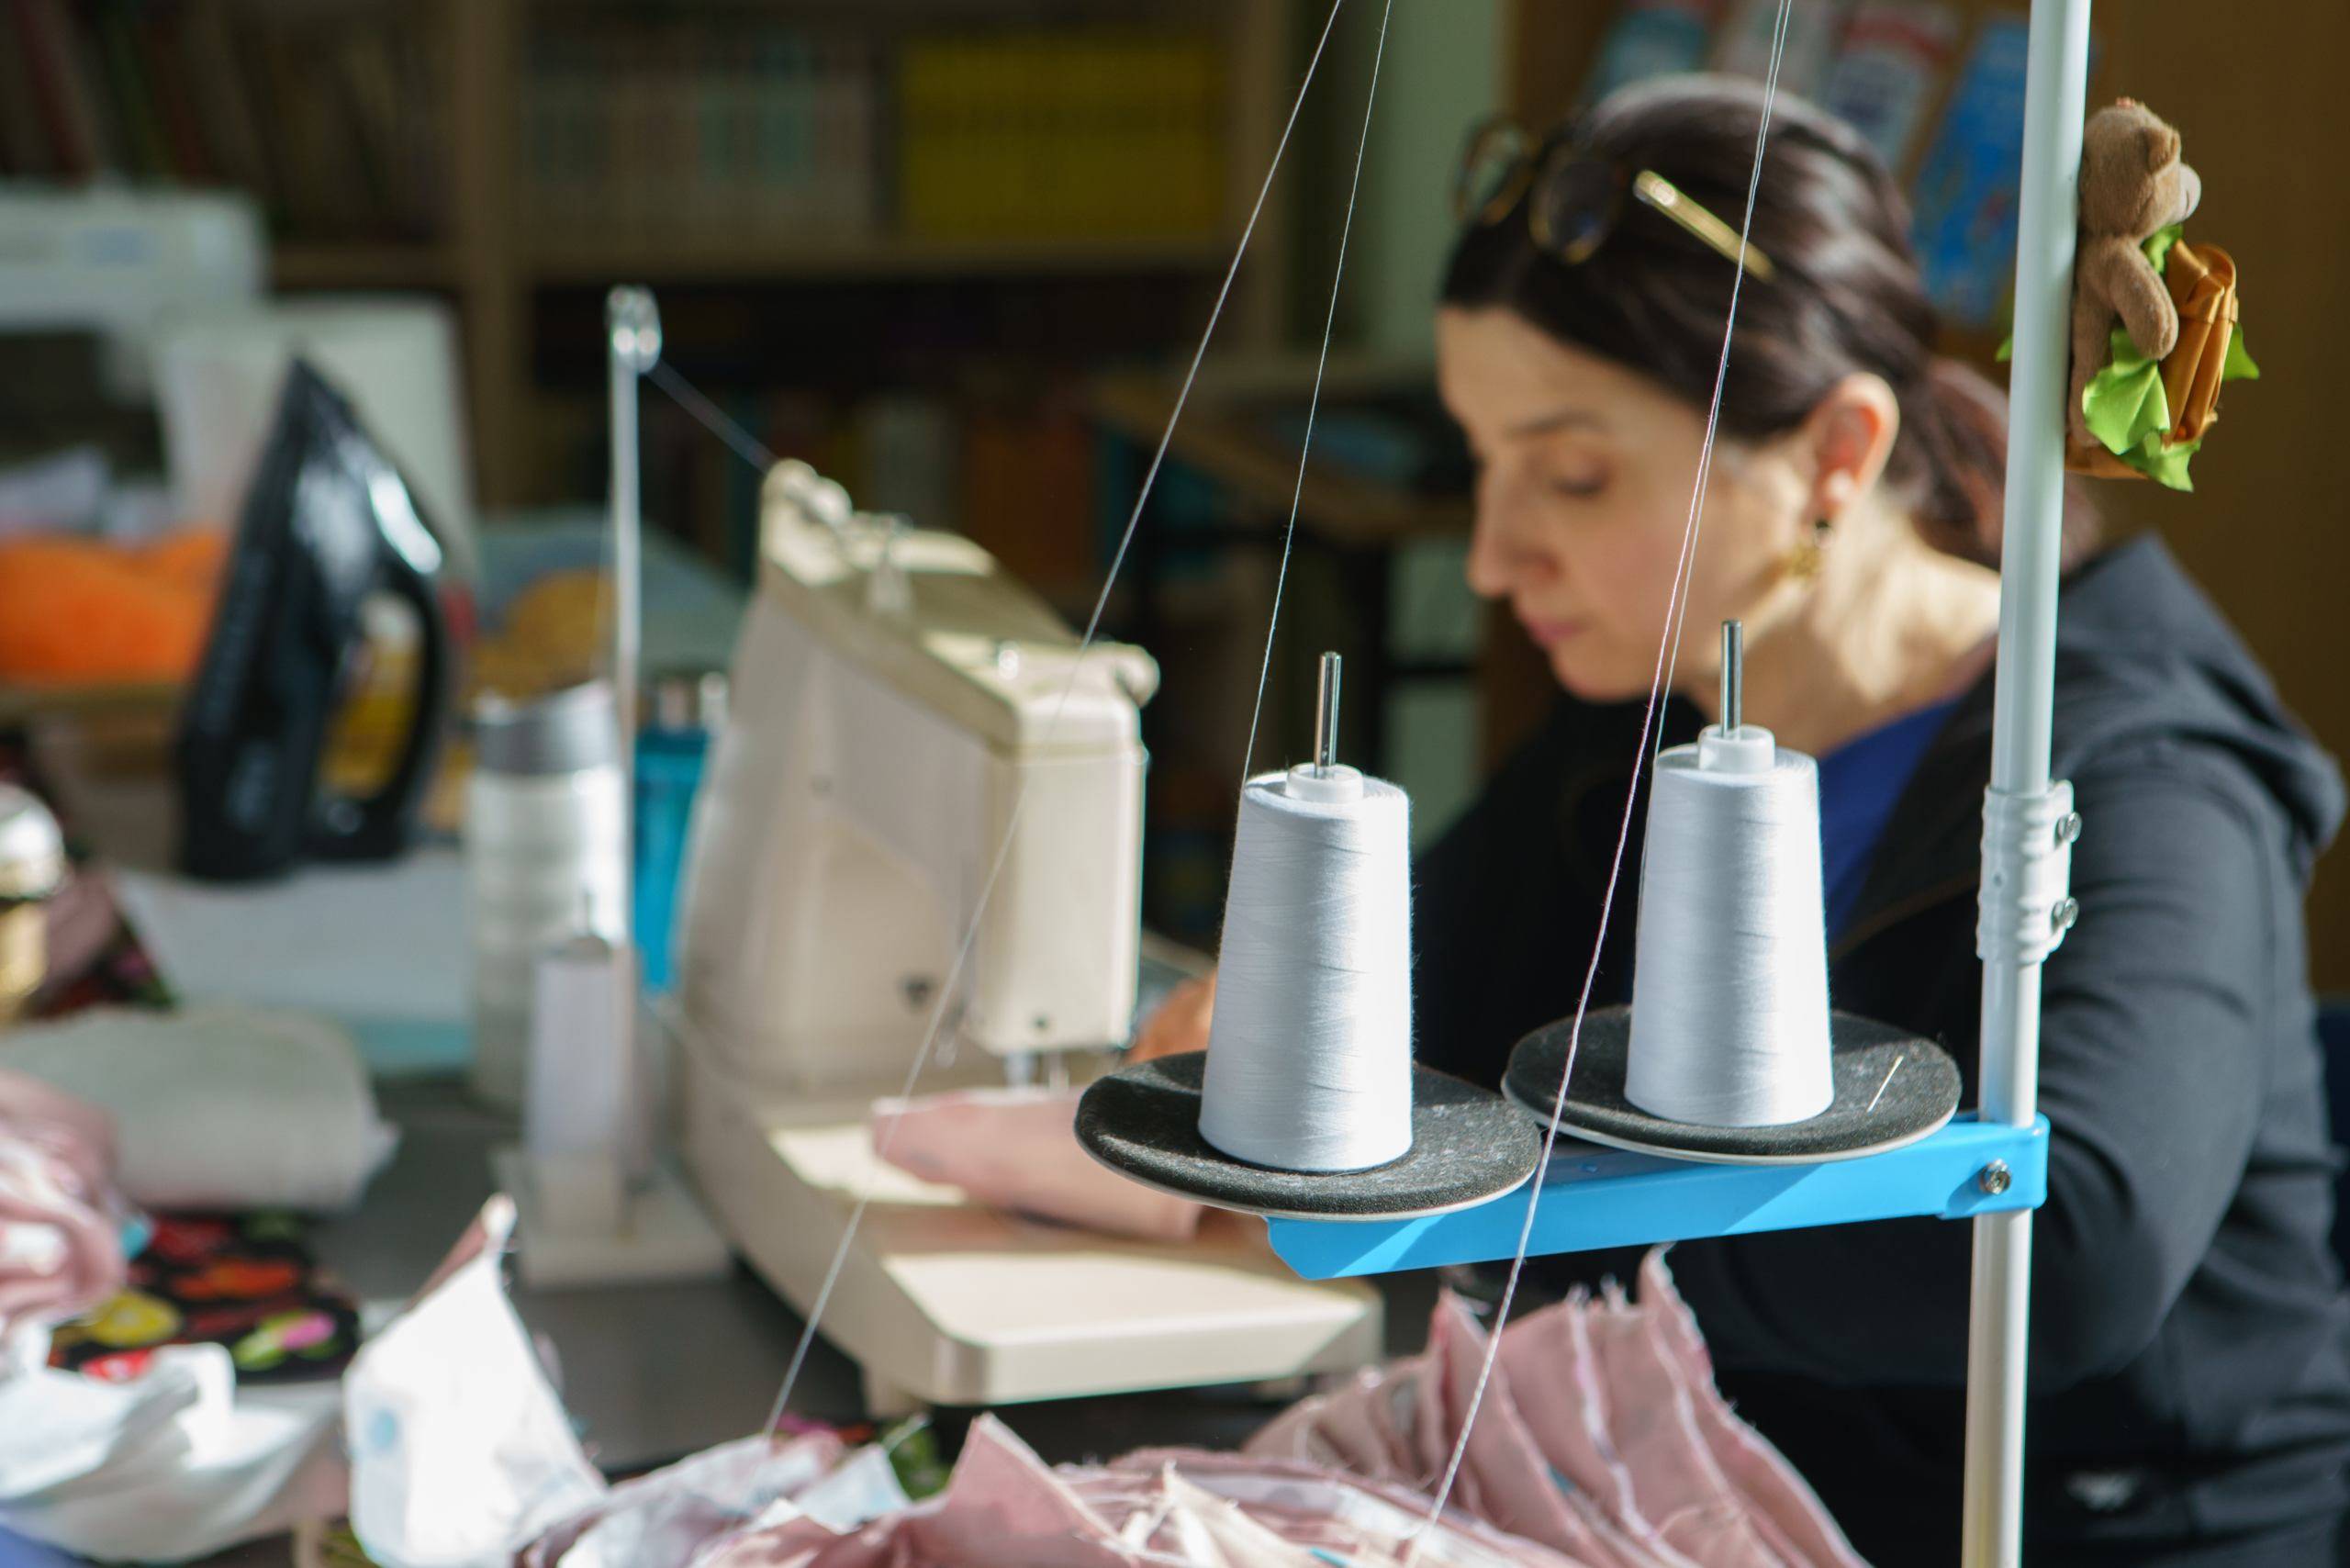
218 1106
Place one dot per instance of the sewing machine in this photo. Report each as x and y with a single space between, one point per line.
912 741
121 263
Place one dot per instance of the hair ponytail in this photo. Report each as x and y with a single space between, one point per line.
1959 424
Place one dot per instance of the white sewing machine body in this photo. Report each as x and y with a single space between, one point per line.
899 707
871 766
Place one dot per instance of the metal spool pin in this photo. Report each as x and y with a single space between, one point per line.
1326 716
1733 677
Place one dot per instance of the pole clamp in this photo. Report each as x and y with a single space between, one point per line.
2026 905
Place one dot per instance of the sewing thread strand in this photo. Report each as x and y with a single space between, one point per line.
1667 647
710 416
946 991
1315 1076
1314 403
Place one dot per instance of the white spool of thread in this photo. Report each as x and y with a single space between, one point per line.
1310 1054
1729 986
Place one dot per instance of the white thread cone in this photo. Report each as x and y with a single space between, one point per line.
1729 986
1310 1054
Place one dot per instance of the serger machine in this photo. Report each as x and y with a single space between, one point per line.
914 742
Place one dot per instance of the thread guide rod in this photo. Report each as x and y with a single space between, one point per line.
1733 677
1326 716
632 343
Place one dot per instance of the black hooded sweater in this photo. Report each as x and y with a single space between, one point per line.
2190 1346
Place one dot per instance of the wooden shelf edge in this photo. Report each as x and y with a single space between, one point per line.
327 264
85 700
1338 506
882 256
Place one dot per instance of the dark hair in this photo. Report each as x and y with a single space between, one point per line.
1846 296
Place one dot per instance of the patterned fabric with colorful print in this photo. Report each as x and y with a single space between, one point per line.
246 1281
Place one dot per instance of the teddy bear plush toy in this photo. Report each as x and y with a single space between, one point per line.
2132 187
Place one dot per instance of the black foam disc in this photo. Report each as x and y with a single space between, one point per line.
1467 1145
1891 1088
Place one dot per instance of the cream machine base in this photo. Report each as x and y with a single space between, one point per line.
943 1301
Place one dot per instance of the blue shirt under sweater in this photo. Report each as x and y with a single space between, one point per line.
1859 783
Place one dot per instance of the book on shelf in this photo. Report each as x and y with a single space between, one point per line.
719 126
1808 44
1969 187
1080 135
72 139
1648 38
1894 57
327 115
1925 83
710 127
226 107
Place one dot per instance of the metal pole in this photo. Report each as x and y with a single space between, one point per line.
2055 92
633 333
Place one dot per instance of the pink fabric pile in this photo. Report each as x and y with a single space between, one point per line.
1601 1443
1006 1509
61 1217
1600 1436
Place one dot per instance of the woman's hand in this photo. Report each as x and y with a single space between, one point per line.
1179 1024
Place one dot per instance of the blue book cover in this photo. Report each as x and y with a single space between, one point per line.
1651 38
1964 222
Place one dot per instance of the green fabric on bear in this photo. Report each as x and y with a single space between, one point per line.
2125 407
2239 365
2123 403
2166 465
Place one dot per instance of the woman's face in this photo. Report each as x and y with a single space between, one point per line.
1585 471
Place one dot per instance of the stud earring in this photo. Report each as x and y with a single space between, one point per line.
1805 561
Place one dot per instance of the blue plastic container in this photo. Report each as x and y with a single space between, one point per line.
669 771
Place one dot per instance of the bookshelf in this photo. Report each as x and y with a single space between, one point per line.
505 152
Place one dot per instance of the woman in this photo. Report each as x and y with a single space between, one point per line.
2191 1388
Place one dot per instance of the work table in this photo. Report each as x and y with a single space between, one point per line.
651 1373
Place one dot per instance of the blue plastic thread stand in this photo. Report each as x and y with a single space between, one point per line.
1596 1198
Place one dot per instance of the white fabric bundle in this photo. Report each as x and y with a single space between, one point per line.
168 1466
218 1106
461 1453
